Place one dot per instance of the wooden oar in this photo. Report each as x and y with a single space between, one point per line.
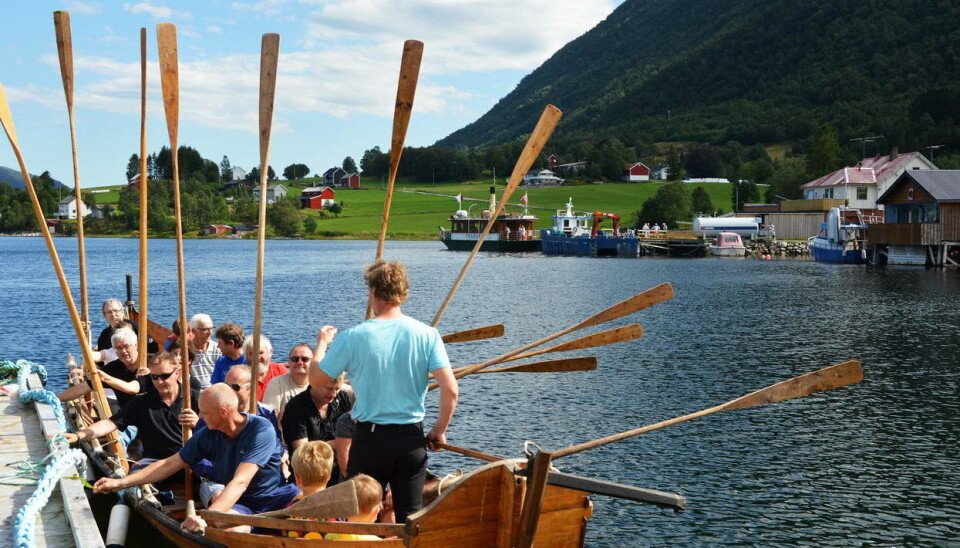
406 90
269 57
170 84
144 229
602 338
61 24
538 138
6 120
828 378
550 366
475 334
466 452
639 301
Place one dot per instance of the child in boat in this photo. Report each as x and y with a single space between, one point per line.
369 496
312 464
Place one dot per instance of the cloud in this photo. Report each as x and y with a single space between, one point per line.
85 8
214 29
157 12
270 8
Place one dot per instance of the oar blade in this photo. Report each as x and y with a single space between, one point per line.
550 366
828 378
476 334
169 77
6 120
602 338
646 299
335 502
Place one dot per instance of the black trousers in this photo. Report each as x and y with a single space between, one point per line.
394 454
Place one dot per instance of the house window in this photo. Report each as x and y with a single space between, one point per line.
861 193
828 193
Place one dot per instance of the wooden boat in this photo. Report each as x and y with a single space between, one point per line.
512 232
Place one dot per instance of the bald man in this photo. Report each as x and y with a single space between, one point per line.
241 446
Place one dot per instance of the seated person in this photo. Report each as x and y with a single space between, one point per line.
241 447
283 388
268 369
173 337
369 497
113 312
201 327
312 414
312 463
230 343
157 414
120 374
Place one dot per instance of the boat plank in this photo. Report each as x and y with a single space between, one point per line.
563 528
243 540
476 534
476 498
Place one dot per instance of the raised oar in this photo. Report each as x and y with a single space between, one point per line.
639 301
61 24
269 56
475 334
538 138
406 90
6 120
828 378
610 336
144 319
170 84
550 366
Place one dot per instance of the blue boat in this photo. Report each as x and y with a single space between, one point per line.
572 234
841 238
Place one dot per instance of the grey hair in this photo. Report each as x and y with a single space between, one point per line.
243 369
123 335
264 344
198 318
111 301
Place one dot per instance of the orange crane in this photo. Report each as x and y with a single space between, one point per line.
598 216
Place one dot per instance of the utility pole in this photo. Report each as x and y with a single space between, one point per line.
932 148
863 144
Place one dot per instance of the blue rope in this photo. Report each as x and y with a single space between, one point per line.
60 458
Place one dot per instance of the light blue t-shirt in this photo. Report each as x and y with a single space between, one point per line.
387 362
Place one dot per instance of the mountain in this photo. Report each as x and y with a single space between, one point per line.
15 179
750 70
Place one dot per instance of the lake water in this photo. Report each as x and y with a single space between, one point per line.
875 464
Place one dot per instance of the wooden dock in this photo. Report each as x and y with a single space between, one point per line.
67 519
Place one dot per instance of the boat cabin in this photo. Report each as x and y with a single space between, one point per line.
569 223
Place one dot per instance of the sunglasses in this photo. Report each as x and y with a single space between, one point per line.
161 376
303 359
236 387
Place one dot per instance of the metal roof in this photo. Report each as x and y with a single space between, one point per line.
942 184
879 167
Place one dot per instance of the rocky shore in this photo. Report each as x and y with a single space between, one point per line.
777 248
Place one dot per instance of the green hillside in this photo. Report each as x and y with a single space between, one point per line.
747 70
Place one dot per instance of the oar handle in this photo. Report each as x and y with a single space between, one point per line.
467 452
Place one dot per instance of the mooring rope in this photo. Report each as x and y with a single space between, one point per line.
57 462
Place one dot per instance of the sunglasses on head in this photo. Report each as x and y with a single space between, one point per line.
303 359
236 387
161 376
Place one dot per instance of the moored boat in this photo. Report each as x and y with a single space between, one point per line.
570 235
511 232
841 238
728 244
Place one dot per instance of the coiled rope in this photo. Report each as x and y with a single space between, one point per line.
57 462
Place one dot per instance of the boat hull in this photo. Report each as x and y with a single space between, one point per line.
560 244
503 246
728 251
825 252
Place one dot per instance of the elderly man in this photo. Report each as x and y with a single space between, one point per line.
312 415
157 414
241 447
230 343
282 389
387 360
201 326
113 313
268 369
120 374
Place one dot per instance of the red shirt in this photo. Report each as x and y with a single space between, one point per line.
274 370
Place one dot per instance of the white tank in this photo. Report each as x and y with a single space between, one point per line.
709 227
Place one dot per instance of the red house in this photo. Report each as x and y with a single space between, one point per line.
215 230
636 172
350 180
317 197
552 161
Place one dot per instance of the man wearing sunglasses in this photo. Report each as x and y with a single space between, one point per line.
282 389
157 414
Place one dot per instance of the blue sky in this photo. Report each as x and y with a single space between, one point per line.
337 77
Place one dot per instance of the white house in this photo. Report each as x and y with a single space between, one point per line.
68 208
238 173
274 193
541 177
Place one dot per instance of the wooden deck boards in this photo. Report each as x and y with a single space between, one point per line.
22 437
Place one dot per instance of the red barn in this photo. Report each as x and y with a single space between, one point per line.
214 230
552 161
636 172
317 197
350 180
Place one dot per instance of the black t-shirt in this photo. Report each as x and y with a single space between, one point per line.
158 425
117 369
301 418
104 342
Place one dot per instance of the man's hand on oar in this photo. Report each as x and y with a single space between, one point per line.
828 378
475 334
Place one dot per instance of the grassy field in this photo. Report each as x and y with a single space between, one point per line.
415 214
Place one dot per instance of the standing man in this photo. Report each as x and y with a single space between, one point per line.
387 360
230 343
201 325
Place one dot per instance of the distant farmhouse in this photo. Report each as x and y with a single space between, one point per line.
274 192
336 177
636 172
68 208
317 197
238 173
541 177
